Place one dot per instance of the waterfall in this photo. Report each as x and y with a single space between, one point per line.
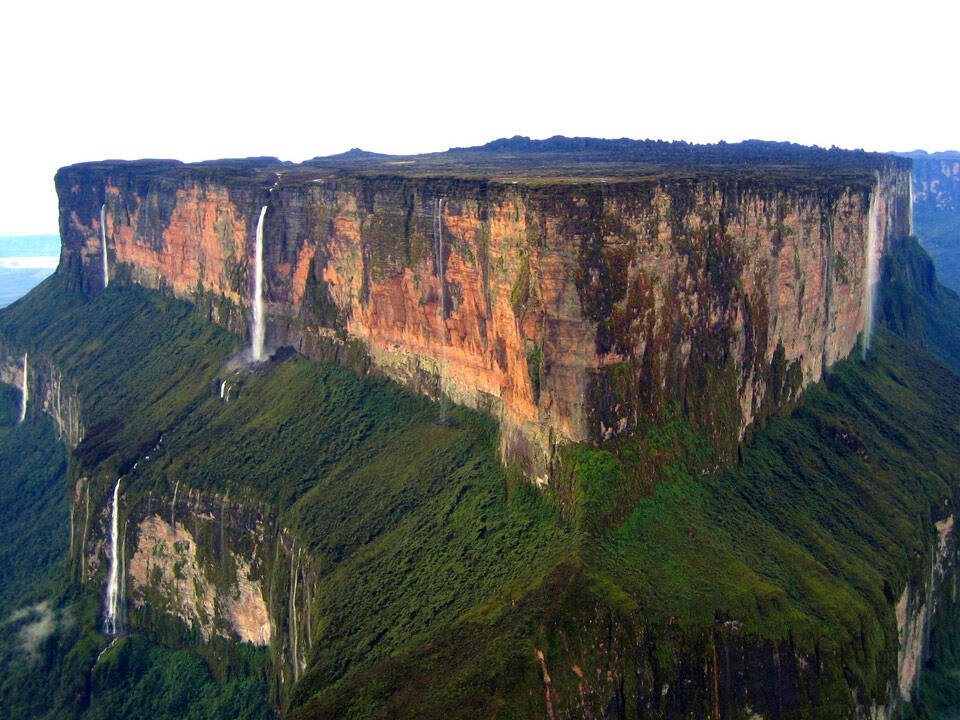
223 385
294 575
257 332
123 574
25 393
112 622
872 269
910 195
59 415
83 538
438 239
103 245
223 535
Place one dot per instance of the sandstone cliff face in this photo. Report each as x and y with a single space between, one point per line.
571 311
166 567
919 604
218 566
48 393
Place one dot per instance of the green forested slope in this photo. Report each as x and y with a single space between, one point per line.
410 523
34 531
49 643
444 578
804 542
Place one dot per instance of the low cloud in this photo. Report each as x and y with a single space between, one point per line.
42 623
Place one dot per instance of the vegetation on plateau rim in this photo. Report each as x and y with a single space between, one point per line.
442 574
555 161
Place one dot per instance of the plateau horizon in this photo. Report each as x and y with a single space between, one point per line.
43 219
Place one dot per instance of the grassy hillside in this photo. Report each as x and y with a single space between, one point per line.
918 307
450 587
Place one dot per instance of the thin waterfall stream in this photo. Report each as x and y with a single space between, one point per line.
910 210
25 392
112 615
872 269
103 245
258 332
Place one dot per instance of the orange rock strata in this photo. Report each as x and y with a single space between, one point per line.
570 312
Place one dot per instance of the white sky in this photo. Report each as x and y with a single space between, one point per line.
198 80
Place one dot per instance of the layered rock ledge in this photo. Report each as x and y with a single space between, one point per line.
573 291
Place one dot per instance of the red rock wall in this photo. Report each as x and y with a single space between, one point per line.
571 312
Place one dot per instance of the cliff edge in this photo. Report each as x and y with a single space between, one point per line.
573 288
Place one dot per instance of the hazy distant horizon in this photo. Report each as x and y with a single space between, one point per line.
25 261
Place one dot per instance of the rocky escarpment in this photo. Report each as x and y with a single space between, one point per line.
728 674
196 566
571 309
920 603
224 570
193 566
936 192
47 391
799 623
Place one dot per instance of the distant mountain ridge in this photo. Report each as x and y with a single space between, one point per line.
924 155
936 209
